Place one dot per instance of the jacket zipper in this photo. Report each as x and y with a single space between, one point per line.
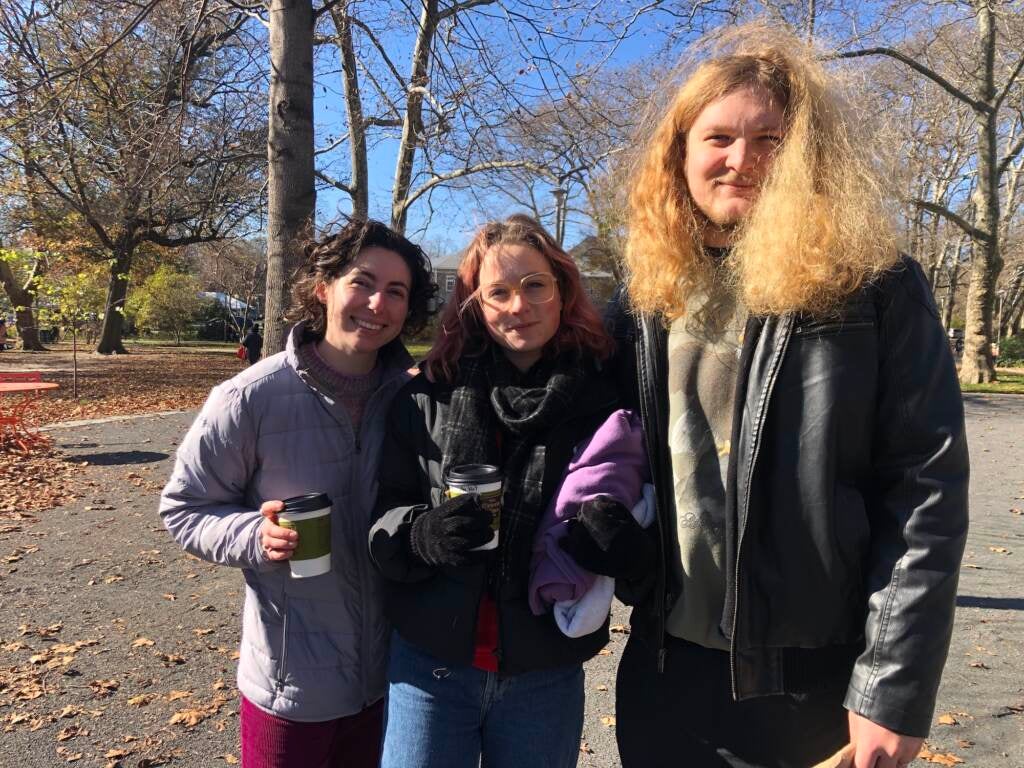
355 483
828 328
282 662
762 409
648 401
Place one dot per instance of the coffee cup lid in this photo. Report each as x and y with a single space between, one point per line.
474 473
308 502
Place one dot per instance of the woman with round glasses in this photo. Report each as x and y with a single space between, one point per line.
514 382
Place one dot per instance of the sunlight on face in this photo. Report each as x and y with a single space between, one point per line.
729 149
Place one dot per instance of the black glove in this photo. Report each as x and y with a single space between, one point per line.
604 538
445 534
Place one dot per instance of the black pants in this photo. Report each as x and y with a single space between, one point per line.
685 717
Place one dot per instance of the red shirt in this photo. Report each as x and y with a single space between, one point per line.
485 654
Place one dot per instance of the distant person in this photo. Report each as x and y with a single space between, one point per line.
805 428
253 343
308 420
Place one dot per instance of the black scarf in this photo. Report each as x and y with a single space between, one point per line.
491 394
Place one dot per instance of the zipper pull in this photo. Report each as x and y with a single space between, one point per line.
661 660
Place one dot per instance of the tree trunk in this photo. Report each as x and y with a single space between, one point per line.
978 366
117 291
950 301
1014 295
291 203
358 184
935 265
412 125
22 298
1016 322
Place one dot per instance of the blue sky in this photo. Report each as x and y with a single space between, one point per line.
455 215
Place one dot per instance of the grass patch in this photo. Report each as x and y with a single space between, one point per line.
1010 383
162 342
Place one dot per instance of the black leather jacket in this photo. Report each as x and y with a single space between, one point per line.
846 498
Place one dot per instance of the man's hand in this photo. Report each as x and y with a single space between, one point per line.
877 747
604 538
278 543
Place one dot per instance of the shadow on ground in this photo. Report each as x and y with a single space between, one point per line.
993 603
117 458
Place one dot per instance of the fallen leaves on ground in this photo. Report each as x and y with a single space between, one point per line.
35 482
149 380
68 755
939 758
71 732
103 688
192 717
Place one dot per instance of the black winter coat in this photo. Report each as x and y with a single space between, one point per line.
846 499
435 609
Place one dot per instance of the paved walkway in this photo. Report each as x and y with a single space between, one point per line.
155 630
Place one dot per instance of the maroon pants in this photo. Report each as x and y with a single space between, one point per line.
269 741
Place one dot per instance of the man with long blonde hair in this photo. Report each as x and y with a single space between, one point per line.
805 432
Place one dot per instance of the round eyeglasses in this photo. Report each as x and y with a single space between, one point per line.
536 288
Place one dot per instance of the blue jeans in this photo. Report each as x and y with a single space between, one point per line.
445 716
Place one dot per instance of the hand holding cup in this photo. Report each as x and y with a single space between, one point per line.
278 543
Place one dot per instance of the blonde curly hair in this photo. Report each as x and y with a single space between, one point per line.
821 225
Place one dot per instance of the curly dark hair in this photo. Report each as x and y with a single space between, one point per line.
329 258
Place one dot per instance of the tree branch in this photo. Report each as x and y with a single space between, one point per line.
325 8
1010 156
460 7
935 77
333 182
333 145
380 49
1009 84
960 221
460 172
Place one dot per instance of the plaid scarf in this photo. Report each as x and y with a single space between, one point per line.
488 394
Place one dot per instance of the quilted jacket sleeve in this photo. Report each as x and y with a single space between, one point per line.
203 504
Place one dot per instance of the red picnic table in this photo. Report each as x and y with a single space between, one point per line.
13 429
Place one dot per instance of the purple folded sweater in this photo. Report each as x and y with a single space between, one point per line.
611 463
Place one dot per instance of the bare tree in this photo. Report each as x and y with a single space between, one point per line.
989 84
446 84
152 142
237 269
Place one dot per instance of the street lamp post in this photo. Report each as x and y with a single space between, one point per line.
560 195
